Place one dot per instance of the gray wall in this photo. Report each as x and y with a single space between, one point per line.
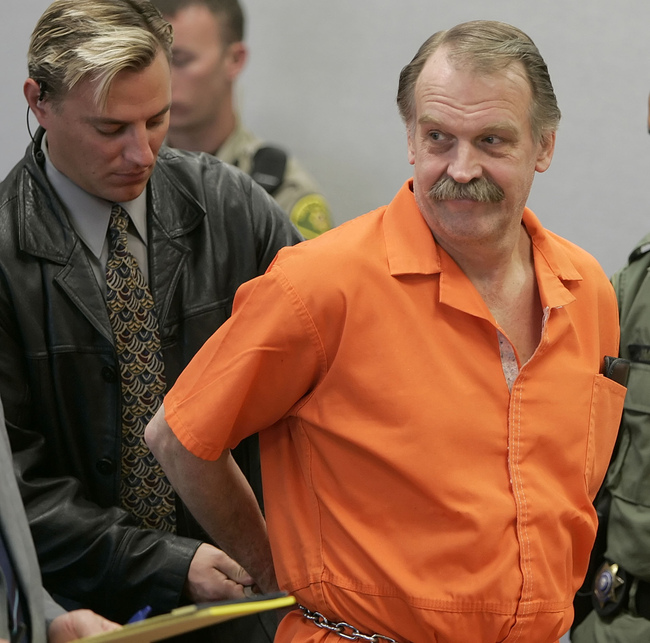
322 78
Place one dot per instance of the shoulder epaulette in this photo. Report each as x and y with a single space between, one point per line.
628 279
642 248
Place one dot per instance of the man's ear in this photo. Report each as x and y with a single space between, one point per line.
34 96
410 133
545 152
237 56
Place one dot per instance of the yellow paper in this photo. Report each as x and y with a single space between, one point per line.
191 617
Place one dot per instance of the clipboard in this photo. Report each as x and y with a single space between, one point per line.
191 617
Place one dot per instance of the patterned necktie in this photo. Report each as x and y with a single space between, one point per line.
145 491
16 622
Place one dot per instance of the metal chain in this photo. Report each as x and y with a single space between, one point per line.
343 629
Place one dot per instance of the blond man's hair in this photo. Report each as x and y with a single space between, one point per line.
94 39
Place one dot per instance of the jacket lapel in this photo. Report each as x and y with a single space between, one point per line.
172 213
45 232
78 281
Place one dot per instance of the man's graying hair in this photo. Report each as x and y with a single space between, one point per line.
486 47
94 39
229 13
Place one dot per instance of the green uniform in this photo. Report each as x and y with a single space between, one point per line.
628 479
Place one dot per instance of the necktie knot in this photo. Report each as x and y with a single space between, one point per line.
119 217
117 226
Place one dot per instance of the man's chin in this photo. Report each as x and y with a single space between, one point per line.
124 193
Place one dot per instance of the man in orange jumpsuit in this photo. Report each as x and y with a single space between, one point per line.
426 381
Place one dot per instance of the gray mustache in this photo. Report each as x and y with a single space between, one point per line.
480 189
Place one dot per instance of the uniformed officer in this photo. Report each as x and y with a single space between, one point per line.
208 55
618 586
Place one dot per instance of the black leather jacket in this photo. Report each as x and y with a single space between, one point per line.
209 230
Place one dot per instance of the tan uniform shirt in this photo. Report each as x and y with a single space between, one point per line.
298 194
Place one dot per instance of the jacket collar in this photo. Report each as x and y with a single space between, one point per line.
46 232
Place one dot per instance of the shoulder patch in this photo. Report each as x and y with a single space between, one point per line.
311 215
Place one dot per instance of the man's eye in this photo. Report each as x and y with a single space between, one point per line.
492 140
109 131
435 136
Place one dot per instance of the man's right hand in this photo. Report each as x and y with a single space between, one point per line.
214 576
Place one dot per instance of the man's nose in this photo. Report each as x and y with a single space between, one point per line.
464 163
138 148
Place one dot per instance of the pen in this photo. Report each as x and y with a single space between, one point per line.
140 615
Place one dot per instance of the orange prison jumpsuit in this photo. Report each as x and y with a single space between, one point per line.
408 491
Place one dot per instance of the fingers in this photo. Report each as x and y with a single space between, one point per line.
214 576
78 624
231 568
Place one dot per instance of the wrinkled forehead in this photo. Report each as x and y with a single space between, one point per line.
446 62
444 74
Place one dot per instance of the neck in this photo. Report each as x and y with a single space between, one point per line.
490 262
505 275
507 284
204 137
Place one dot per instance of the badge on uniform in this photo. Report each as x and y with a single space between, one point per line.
610 589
